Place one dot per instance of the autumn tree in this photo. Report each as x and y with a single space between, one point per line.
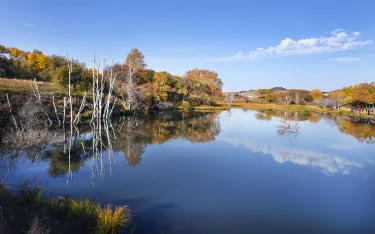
266 94
208 83
161 82
261 93
37 61
134 63
316 93
364 93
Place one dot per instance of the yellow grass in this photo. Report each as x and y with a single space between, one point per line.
110 219
20 86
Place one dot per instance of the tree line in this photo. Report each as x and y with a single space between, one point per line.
361 96
136 86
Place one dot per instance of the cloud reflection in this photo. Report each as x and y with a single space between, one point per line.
328 163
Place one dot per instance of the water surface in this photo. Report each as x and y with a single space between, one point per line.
237 172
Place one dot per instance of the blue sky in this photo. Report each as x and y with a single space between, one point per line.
223 36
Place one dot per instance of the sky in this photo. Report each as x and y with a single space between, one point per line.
324 44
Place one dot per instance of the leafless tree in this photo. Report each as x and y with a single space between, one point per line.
112 79
76 119
55 108
39 100
288 128
11 113
133 99
298 98
64 111
134 63
102 108
288 99
229 99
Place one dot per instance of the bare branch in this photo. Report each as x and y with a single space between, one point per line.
56 112
10 111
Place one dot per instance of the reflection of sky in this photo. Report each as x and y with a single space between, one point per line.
328 163
319 145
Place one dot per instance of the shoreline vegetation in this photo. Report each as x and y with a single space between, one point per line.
30 211
304 109
20 89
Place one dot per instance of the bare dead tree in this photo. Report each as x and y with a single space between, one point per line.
11 113
70 68
298 98
39 99
288 99
64 111
112 79
76 119
56 112
229 99
134 62
103 107
288 128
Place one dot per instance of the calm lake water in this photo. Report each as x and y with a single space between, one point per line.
237 172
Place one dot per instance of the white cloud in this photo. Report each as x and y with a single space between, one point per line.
345 60
337 41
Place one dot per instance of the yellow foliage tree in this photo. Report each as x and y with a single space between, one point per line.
316 93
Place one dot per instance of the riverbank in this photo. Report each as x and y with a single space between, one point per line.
306 109
19 91
302 108
28 210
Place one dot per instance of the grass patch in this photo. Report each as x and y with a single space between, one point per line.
24 86
111 219
29 210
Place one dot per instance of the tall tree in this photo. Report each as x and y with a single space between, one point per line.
134 63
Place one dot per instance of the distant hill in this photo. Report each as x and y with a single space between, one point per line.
279 89
249 93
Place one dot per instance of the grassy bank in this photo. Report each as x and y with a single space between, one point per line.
28 211
306 109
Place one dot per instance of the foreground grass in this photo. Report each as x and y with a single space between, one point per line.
28 212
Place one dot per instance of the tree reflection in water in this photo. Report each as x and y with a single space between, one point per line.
135 134
97 143
229 120
289 125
